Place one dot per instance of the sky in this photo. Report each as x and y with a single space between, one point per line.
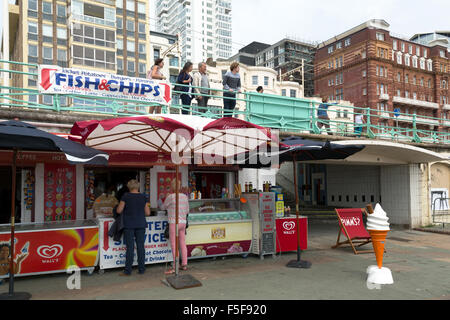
269 21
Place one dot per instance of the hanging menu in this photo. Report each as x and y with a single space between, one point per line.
59 189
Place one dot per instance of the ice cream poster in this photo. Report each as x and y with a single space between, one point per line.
59 193
165 184
48 251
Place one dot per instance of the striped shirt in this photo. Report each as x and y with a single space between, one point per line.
170 206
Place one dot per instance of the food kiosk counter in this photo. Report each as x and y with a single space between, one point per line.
218 227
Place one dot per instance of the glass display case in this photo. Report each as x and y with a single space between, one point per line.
216 210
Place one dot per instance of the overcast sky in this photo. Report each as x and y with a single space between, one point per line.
319 20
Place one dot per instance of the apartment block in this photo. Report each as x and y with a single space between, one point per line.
102 35
371 67
204 27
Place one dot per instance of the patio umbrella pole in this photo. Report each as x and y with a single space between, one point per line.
11 295
177 281
297 263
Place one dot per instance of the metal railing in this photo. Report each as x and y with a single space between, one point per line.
441 213
296 115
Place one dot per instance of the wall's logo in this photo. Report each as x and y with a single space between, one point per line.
289 225
50 252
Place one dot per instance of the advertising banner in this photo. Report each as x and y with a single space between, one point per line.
49 250
59 192
287 234
218 239
58 80
157 247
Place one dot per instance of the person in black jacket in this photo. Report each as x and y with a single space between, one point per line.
134 208
185 78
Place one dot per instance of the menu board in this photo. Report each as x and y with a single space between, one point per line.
165 184
59 192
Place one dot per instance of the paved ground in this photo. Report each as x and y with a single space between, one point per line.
419 261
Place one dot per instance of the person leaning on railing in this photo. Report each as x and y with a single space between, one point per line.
156 74
201 80
185 78
231 85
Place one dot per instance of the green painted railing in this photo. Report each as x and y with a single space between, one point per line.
283 113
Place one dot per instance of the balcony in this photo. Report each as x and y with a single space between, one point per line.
384 96
415 102
446 106
419 120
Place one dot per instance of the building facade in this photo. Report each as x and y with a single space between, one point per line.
204 27
103 35
430 38
165 46
372 68
286 57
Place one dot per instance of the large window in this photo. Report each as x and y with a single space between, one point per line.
32 5
94 57
32 27
94 35
32 50
47 53
47 7
62 55
47 30
61 10
255 80
293 93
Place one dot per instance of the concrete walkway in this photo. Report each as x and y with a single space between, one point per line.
419 261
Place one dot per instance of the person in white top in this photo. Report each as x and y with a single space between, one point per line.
359 121
155 73
183 210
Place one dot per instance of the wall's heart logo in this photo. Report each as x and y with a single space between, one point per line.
289 225
49 252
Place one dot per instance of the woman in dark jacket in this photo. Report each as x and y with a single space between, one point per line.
134 207
185 78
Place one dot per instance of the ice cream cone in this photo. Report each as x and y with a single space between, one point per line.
378 240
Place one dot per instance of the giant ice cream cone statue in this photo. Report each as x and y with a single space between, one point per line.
378 227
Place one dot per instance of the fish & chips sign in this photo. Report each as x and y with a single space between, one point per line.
57 80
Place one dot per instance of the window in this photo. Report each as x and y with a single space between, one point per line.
130 6
255 80
403 47
32 5
363 55
142 67
266 81
130 66
422 64
414 80
141 27
399 58
442 53
330 49
380 36
425 53
119 44
32 50
394 45
407 60
347 42
410 49
130 45
429 83
364 73
62 55
141 7
119 23
130 25
283 92
418 51
156 54
415 95
47 53
47 7
406 78
61 10
293 93
414 60
61 33
47 30
119 64
364 91
399 77
32 27
406 95
399 94
339 45
142 48
430 66
421 82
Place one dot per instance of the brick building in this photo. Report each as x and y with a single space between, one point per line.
370 67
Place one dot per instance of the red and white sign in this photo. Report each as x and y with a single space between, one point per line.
57 80
59 192
287 234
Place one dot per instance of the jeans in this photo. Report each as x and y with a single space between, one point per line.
185 101
228 105
203 104
129 236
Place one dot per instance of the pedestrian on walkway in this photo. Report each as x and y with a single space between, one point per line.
156 74
359 121
201 80
183 210
134 208
185 78
322 114
232 86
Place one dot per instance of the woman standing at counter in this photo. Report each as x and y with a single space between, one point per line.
183 210
134 208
